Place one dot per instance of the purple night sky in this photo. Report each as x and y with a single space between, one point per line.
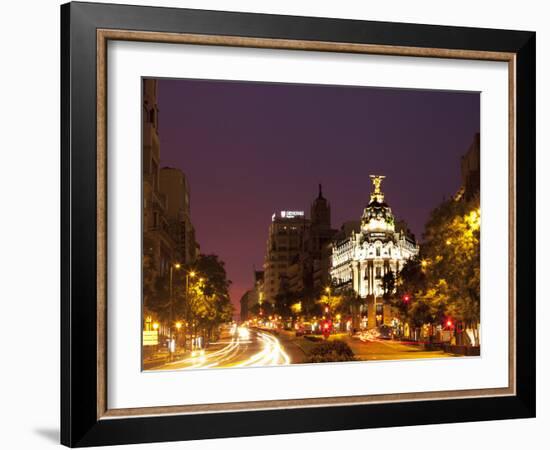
250 149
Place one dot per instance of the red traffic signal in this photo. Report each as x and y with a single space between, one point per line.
406 298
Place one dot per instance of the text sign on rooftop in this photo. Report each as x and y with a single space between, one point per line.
291 214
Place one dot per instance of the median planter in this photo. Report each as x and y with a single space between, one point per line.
333 351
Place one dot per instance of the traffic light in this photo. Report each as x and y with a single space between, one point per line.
406 298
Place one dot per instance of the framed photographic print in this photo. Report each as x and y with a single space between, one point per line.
276 224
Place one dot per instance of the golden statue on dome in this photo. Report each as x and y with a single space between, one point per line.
377 194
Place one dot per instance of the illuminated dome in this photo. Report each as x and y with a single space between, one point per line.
361 260
377 216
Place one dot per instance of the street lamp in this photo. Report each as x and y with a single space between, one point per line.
326 326
327 290
189 274
170 337
178 327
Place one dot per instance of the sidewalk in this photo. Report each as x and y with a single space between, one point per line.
377 350
160 358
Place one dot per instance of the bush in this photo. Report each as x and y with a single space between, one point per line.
333 351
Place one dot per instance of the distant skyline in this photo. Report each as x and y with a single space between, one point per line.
251 149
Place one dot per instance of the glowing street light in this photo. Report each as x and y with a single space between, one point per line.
171 347
190 274
327 290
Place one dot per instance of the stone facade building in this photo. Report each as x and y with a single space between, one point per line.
470 170
298 251
157 241
319 242
361 259
285 243
174 187
168 235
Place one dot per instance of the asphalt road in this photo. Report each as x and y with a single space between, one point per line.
243 348
391 350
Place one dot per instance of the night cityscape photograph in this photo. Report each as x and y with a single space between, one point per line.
298 224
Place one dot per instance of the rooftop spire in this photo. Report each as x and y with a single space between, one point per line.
377 193
320 191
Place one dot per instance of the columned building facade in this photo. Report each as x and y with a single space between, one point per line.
361 259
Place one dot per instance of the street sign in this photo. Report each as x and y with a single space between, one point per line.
150 337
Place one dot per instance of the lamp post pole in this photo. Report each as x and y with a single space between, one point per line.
328 318
170 324
327 309
188 274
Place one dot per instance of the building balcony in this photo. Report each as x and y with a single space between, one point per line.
157 198
151 139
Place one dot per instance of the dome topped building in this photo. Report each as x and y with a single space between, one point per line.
377 220
361 259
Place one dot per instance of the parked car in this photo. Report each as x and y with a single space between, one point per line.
385 331
303 328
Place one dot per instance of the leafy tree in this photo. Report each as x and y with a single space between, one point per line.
388 284
212 269
207 302
452 259
444 280
332 300
410 286
284 300
150 300
412 278
351 304
264 309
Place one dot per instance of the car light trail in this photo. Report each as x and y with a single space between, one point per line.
272 353
245 349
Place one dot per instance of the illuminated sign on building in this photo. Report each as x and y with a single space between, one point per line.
291 214
377 234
